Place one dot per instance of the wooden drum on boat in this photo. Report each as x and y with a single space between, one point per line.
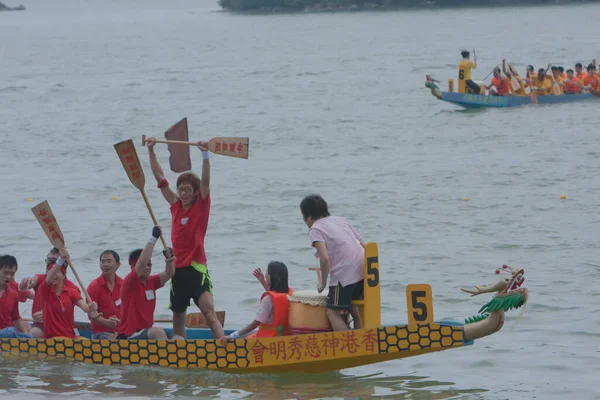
308 313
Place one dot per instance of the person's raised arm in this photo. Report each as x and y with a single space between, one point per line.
205 179
146 255
163 185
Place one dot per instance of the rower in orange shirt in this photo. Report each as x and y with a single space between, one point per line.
501 83
579 73
589 80
571 84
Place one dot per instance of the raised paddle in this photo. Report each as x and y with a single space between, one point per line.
225 146
44 215
133 168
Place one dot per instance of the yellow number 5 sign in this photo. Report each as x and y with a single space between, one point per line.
419 303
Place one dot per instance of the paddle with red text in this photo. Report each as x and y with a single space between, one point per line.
133 168
44 215
225 146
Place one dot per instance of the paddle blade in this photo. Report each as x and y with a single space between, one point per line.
44 215
131 163
230 146
179 159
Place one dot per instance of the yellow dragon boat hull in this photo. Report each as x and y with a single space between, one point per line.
311 353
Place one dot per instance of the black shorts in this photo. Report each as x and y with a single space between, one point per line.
473 86
340 297
188 283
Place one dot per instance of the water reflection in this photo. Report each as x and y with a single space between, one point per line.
21 378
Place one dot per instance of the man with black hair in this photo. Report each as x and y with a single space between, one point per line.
138 293
464 73
11 323
341 252
106 292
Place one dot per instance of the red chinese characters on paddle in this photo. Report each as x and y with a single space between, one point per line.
235 147
131 162
46 219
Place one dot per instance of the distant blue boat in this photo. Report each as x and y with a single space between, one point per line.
481 101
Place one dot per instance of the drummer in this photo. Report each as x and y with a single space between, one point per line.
273 315
341 252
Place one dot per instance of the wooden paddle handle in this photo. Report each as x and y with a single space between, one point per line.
169 141
87 296
162 239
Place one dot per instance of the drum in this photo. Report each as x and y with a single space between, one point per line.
308 313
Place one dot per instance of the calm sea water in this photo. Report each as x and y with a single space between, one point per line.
333 104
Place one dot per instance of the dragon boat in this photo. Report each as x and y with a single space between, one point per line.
314 347
481 100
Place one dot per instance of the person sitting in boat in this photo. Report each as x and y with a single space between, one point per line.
138 293
589 80
37 329
59 300
11 323
541 85
571 83
273 315
106 292
341 252
557 81
500 82
579 72
511 73
464 72
562 73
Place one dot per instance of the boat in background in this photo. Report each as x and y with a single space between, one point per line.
468 100
317 349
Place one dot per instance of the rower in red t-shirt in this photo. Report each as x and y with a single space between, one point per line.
37 329
59 300
190 208
138 294
106 292
11 323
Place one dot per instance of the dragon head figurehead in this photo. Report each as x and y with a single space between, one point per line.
509 295
504 286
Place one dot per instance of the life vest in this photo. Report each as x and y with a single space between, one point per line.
502 86
570 85
281 311
587 80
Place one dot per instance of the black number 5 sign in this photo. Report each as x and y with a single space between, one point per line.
419 303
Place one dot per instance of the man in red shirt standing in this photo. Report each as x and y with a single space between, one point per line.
11 323
138 294
59 300
190 208
106 292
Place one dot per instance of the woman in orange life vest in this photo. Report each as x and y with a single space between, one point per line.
272 316
500 82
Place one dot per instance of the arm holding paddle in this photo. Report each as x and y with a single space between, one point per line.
92 308
205 179
166 191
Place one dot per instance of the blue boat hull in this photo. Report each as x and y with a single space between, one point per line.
480 101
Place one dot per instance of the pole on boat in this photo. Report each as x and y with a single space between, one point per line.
44 215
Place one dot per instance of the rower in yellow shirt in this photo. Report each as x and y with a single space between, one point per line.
510 72
557 78
465 84
541 85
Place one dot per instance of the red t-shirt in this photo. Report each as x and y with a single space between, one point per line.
188 229
23 294
37 304
139 302
59 312
9 308
109 303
